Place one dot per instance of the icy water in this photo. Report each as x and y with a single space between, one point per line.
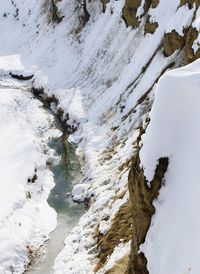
66 172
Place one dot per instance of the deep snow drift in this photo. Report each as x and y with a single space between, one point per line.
174 132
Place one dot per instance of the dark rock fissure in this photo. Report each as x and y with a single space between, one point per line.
21 77
63 118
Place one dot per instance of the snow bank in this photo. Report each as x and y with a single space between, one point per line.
174 132
25 217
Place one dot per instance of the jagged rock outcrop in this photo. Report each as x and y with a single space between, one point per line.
150 27
172 42
142 196
129 13
189 54
142 205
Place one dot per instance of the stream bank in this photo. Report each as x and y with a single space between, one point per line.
66 171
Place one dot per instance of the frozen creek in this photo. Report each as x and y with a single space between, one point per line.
33 134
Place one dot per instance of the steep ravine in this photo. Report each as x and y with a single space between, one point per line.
141 196
104 74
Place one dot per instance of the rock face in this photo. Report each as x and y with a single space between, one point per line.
142 197
150 27
131 18
120 231
172 42
129 13
190 55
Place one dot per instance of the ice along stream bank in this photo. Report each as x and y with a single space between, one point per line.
37 164
66 170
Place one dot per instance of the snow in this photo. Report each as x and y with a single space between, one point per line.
196 25
181 20
111 212
140 10
88 69
119 252
25 217
164 12
174 233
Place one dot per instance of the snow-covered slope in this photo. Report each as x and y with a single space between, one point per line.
174 233
103 74
25 217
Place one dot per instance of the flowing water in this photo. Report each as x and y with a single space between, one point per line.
66 172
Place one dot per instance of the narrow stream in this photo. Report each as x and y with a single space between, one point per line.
66 172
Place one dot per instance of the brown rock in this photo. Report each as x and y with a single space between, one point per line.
189 54
172 42
150 27
142 209
129 12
